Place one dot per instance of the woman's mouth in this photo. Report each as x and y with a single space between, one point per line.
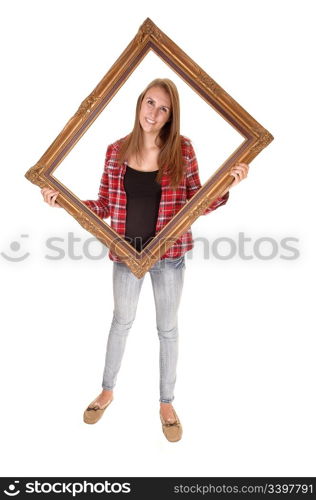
148 120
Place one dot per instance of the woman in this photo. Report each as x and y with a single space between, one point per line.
148 176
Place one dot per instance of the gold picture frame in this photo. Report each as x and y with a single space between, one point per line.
149 37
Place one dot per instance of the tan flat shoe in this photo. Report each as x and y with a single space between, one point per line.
94 412
172 431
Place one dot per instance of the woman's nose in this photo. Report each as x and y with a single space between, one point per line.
154 113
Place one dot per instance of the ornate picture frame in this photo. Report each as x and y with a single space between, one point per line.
149 38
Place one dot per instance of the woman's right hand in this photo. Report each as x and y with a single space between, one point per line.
50 196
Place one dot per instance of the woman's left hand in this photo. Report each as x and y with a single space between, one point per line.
239 172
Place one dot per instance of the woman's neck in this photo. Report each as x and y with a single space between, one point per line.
149 143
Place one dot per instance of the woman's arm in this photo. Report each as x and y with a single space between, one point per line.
194 184
101 206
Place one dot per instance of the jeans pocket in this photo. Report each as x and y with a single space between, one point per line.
177 262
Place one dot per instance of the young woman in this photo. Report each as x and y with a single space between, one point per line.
148 176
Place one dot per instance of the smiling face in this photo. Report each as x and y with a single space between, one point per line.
155 110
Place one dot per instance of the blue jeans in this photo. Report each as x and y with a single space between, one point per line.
167 281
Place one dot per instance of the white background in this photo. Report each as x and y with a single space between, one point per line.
246 372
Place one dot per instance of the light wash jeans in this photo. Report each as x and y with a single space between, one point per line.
167 281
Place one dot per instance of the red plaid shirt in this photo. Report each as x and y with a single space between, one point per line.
112 197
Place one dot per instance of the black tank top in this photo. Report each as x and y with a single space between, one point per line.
143 199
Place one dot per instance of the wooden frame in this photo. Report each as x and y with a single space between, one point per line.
149 37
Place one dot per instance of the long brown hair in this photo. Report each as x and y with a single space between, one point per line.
170 158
